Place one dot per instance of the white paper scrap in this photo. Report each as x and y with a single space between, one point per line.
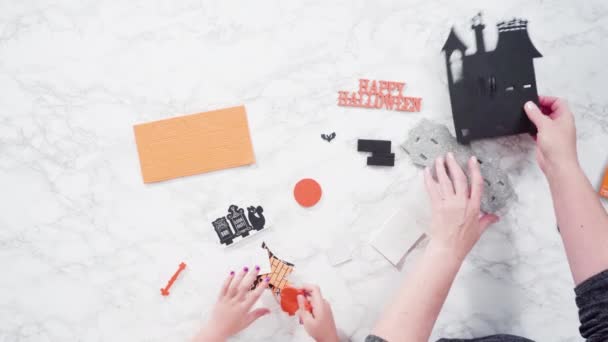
399 234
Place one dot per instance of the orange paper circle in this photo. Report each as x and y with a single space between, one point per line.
307 192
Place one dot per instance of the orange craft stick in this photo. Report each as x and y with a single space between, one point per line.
289 300
165 291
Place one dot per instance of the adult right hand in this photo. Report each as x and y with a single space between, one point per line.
556 138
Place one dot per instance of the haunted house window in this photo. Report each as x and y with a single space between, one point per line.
456 65
481 84
492 85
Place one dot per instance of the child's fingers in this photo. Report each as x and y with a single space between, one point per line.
304 315
236 282
247 282
255 314
254 295
315 295
226 284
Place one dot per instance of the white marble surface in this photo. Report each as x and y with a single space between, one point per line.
85 245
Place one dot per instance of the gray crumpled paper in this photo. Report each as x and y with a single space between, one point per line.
429 140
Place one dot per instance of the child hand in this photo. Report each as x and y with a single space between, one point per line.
232 311
556 136
320 324
456 224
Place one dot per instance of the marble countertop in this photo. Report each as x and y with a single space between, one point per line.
85 245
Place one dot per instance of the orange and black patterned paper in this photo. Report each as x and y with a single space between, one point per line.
280 270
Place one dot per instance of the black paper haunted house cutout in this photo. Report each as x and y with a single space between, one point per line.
488 89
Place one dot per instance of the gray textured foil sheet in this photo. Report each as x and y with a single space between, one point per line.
429 140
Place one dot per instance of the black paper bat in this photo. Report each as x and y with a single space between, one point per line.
329 137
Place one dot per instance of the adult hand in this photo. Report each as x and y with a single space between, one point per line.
556 139
320 323
456 223
232 312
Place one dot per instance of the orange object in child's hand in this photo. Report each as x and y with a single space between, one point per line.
289 300
604 188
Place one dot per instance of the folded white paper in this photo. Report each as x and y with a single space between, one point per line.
406 226
399 234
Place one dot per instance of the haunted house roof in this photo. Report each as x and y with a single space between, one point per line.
513 38
453 43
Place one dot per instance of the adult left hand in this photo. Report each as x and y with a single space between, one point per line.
457 222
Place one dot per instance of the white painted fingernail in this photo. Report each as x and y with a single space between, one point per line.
530 105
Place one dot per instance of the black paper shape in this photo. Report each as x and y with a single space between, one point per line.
256 217
381 159
374 146
328 137
380 149
236 216
222 228
488 89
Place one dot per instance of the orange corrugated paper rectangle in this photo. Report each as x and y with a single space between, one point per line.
193 144
604 188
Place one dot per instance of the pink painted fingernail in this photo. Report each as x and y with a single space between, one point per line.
245 269
267 279
257 268
231 273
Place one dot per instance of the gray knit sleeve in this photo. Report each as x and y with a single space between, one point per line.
493 338
592 302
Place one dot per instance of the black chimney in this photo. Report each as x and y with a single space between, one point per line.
478 26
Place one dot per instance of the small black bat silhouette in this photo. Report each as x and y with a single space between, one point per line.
329 137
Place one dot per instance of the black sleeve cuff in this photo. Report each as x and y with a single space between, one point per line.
592 302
